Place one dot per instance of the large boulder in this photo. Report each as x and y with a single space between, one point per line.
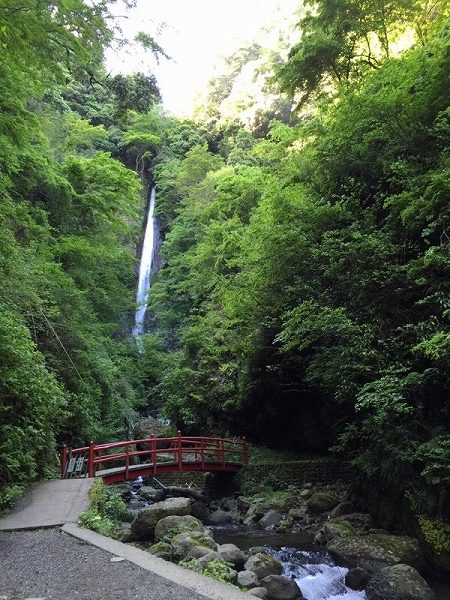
143 526
281 588
334 529
272 518
174 524
147 427
373 551
219 517
183 543
247 579
321 502
399 582
263 564
232 554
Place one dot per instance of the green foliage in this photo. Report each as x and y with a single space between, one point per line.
341 40
106 510
216 569
436 533
435 455
9 494
32 405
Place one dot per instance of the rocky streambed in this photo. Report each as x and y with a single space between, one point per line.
368 563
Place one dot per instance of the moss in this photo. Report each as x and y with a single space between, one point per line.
162 550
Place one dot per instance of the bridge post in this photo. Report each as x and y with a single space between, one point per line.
244 440
91 471
180 452
127 459
63 459
153 451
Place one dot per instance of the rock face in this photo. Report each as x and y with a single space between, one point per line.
373 551
399 582
143 526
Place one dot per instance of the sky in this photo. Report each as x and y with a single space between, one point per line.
194 34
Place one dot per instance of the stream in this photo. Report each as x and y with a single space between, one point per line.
313 569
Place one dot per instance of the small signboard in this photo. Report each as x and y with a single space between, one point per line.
79 465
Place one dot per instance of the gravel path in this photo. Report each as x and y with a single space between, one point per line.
49 564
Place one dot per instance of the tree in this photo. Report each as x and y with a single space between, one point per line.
341 40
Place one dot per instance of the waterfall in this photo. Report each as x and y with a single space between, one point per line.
145 267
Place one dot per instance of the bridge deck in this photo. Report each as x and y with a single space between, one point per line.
117 474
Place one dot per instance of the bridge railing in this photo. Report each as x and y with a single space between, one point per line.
179 450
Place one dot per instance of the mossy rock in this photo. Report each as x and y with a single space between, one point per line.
183 543
321 502
263 565
173 525
161 550
337 529
371 551
399 582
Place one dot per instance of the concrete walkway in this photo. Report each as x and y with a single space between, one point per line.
49 504
57 503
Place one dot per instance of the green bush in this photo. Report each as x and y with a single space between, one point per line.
106 511
216 569
436 533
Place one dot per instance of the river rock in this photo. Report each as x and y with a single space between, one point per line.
161 550
263 565
242 503
321 502
143 526
232 554
334 529
219 517
258 592
343 508
150 493
174 524
183 543
398 582
200 510
281 588
373 551
247 579
271 519
199 551
356 579
229 573
297 514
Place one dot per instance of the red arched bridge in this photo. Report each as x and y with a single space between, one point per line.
119 461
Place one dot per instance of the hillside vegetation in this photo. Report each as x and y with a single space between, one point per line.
303 299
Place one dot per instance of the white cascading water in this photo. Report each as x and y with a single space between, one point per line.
145 267
316 575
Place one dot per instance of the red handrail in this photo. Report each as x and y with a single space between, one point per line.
174 453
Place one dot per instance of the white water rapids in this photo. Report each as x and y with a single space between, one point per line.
148 251
316 575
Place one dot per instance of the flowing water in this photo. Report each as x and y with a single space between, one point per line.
314 570
145 268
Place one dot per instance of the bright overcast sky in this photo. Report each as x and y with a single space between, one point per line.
196 32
